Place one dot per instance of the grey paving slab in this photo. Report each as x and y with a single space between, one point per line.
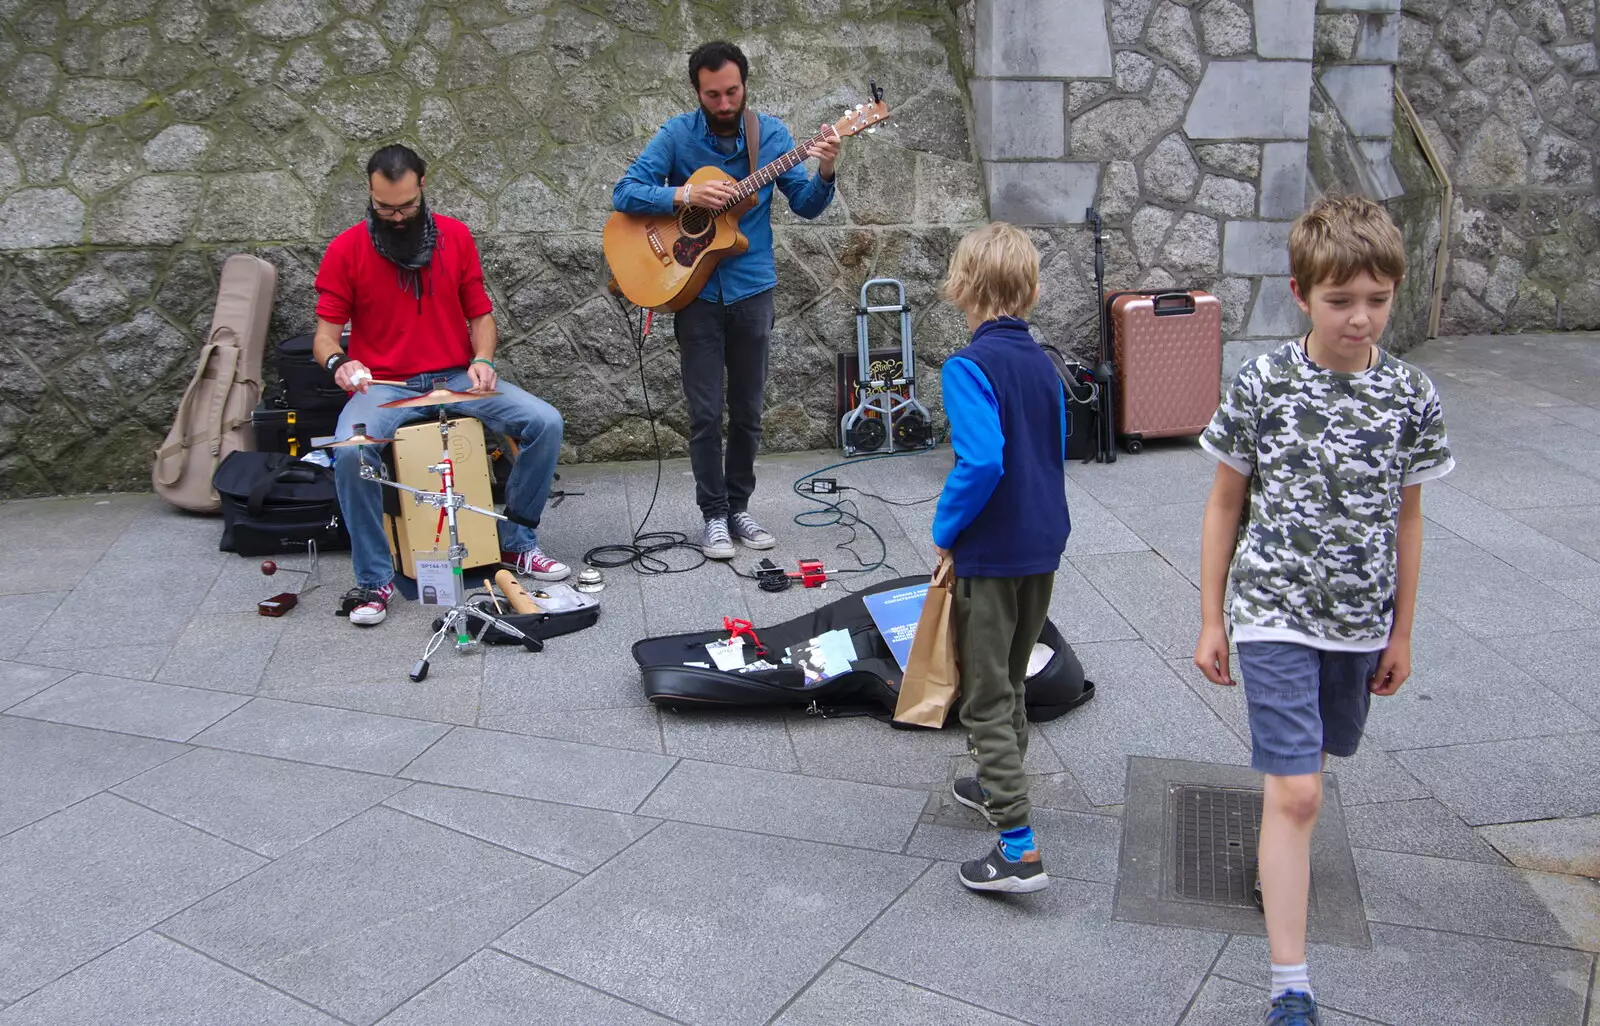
1564 662
369 913
591 669
50 544
1140 707
161 532
848 994
532 767
1007 955
1543 553
1508 781
1096 530
1483 900
131 662
1150 594
655 928
1524 480
1164 470
318 659
88 878
789 805
1461 691
449 695
1493 982
756 739
154 597
129 707
151 981
22 680
47 767
574 838
637 728
492 989
862 749
327 737
1421 826
1552 845
1585 591
1491 599
1585 418
223 652
1074 845
1172 530
1222 1002
21 615
267 805
1081 613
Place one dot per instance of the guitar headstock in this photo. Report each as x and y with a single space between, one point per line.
863 116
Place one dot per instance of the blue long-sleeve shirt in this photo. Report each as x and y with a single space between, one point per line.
683 146
979 442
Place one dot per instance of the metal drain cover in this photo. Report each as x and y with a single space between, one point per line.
1215 842
1188 837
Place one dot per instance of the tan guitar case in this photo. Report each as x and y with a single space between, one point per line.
214 417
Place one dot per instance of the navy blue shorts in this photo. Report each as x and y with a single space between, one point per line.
1303 702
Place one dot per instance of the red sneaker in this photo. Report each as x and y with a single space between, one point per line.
534 563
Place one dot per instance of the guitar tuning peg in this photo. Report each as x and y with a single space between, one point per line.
848 112
873 130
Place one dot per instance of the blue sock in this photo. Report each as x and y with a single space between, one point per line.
1016 842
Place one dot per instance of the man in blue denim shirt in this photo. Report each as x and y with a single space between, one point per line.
727 327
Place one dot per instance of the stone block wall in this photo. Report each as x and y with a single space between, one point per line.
143 141
1509 95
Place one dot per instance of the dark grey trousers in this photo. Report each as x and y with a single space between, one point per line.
717 339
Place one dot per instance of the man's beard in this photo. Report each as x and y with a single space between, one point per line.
728 124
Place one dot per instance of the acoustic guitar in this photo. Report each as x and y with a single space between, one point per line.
662 261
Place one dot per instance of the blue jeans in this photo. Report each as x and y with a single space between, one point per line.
533 424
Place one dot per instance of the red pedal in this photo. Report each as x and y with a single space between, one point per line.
811 574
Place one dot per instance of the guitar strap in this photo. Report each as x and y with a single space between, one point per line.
752 137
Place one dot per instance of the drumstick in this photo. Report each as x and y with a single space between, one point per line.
490 587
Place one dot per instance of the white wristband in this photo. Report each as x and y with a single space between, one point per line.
688 190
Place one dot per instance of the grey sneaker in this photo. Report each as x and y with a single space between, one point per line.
750 533
995 872
716 543
970 793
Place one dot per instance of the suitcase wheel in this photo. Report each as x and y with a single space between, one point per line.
1134 445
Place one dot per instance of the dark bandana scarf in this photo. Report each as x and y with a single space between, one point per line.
409 248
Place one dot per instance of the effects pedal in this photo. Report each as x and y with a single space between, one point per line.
811 574
824 486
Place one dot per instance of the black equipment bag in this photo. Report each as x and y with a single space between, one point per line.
272 503
1083 404
307 386
871 687
281 428
539 626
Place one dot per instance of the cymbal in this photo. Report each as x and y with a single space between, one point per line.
439 397
329 442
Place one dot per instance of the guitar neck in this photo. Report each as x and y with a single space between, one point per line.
769 174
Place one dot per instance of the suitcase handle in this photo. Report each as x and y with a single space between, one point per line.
1173 304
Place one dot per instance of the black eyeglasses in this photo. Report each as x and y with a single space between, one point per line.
404 208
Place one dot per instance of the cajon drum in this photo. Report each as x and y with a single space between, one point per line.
417 447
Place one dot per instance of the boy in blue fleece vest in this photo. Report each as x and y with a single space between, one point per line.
1002 518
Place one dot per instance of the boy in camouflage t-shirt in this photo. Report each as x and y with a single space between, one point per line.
1327 440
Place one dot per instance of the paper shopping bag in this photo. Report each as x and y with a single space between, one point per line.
928 692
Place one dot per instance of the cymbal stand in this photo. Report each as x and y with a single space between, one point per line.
460 614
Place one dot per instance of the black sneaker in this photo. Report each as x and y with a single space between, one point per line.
995 872
1293 1008
970 793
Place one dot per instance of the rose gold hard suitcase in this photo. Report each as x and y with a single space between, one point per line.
1168 351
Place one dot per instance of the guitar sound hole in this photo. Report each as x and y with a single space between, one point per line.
695 220
687 249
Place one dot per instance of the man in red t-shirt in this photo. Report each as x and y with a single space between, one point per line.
409 284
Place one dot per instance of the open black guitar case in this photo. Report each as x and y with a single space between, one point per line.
870 688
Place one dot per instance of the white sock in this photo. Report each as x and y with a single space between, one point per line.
1290 977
